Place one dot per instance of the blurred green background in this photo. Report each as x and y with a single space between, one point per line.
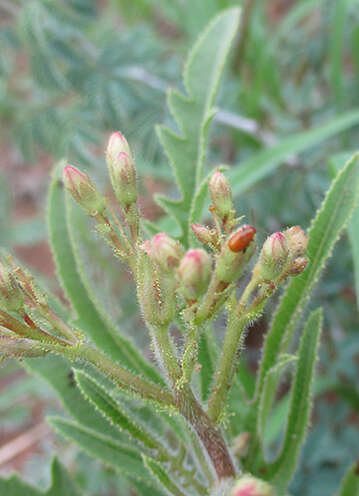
73 71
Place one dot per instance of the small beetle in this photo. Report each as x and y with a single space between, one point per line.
240 240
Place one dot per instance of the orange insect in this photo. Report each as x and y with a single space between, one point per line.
241 239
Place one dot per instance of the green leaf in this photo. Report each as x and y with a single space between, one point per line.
335 165
249 172
326 228
269 389
193 114
59 374
73 278
61 484
350 483
161 475
110 451
112 410
282 470
337 48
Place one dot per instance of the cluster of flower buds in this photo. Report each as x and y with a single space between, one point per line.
123 178
282 255
23 310
251 486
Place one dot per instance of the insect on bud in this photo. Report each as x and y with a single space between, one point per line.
82 189
11 295
221 195
251 486
297 241
156 289
273 257
122 169
194 273
235 254
166 252
204 235
297 266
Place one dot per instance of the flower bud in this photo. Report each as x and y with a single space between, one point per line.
11 295
297 241
15 347
204 235
251 486
241 443
166 252
273 257
221 195
122 169
194 273
231 262
156 289
83 190
297 266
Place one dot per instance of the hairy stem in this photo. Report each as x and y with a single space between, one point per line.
209 434
226 366
125 379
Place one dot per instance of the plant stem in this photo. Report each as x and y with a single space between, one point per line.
166 354
209 434
125 379
226 366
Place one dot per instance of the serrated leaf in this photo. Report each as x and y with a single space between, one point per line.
325 230
282 470
71 277
269 389
61 484
161 475
193 114
350 483
110 451
112 410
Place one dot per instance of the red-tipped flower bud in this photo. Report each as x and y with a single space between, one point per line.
273 257
194 273
235 254
166 252
82 189
204 235
11 295
297 241
251 486
221 195
122 169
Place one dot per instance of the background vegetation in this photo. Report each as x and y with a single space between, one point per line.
73 71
